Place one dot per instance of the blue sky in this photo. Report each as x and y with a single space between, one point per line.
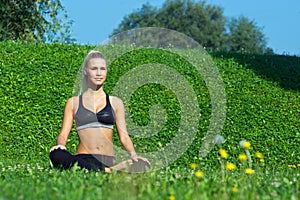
94 20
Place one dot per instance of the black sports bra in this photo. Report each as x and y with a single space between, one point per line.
85 118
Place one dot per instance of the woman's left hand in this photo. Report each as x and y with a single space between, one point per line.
136 158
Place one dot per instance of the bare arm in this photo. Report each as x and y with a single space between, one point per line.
66 126
122 130
121 125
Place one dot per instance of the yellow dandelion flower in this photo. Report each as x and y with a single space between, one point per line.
193 165
199 174
223 153
249 171
259 155
242 156
73 145
292 166
234 189
172 197
230 166
246 145
298 165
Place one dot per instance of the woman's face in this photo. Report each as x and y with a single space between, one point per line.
96 71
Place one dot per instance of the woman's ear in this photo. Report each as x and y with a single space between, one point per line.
84 72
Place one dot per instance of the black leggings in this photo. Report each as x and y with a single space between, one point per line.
63 159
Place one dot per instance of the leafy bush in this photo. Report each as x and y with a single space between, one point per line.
37 79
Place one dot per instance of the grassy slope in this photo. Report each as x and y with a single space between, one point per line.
36 79
263 102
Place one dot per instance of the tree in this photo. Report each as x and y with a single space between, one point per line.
244 35
34 20
144 17
204 23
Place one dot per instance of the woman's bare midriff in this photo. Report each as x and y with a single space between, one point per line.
95 141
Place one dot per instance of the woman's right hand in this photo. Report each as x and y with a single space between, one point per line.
62 147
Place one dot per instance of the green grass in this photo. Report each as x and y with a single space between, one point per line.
263 107
39 181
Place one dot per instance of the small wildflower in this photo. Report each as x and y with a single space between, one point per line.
245 144
172 197
177 176
262 160
223 153
242 156
230 166
234 189
298 165
29 170
193 165
73 145
249 171
292 166
199 174
259 155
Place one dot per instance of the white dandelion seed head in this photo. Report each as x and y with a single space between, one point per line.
219 139
242 142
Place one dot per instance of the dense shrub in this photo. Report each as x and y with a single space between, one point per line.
37 79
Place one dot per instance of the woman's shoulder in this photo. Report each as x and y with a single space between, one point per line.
72 100
72 103
115 98
115 101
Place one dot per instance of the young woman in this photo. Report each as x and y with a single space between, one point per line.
95 114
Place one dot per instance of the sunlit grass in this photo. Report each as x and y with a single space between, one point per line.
232 178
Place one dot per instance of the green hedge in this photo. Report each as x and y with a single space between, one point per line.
263 107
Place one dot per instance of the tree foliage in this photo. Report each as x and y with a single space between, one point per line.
34 20
204 23
246 35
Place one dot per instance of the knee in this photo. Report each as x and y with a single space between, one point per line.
56 154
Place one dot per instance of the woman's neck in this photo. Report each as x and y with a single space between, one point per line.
98 90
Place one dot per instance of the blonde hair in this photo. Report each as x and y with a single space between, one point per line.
92 54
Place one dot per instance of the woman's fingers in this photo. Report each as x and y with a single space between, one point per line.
144 160
62 147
